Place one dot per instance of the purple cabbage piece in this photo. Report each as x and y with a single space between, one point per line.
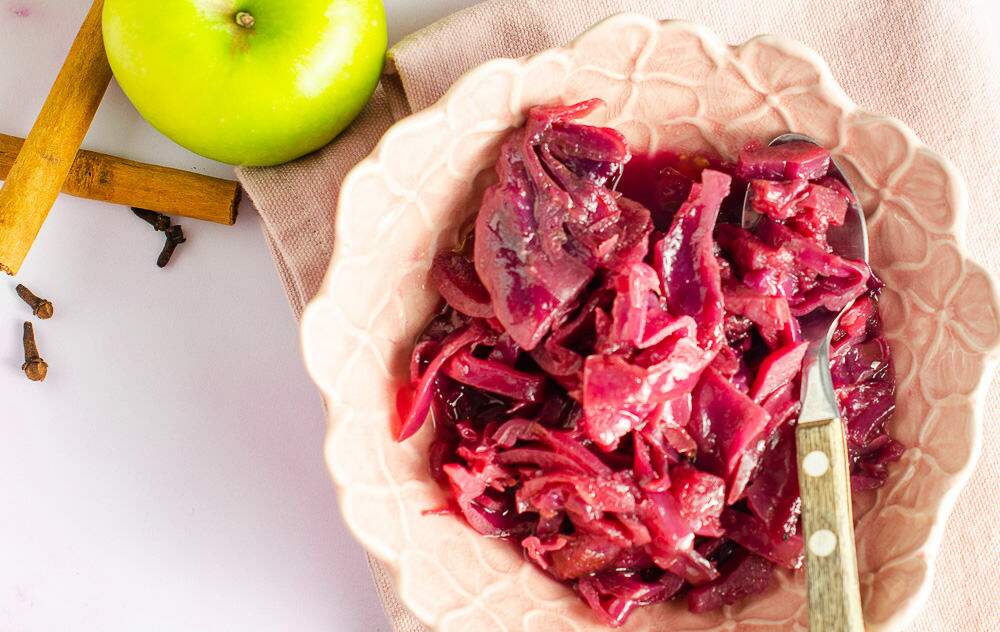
726 424
613 595
769 271
619 394
556 355
742 576
825 280
795 160
621 404
752 534
779 368
771 315
865 384
667 427
468 489
455 278
549 222
673 189
810 209
416 403
685 259
776 199
583 555
773 496
700 497
817 210
672 545
495 377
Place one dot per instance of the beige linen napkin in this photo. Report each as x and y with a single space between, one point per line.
931 63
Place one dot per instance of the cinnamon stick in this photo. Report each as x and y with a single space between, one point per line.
48 153
119 181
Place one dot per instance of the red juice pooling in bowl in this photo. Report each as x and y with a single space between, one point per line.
615 375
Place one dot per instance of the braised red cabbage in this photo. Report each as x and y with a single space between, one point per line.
615 383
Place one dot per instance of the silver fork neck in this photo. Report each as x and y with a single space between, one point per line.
819 400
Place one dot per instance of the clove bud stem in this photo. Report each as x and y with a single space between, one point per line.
175 237
40 307
158 221
34 367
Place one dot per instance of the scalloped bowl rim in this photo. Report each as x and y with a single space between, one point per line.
960 203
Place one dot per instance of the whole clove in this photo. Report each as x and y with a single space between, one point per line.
175 237
40 307
158 221
34 367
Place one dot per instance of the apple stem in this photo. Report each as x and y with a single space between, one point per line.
245 20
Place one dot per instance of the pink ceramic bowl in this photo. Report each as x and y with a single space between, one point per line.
671 85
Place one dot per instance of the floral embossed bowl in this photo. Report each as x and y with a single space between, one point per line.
673 85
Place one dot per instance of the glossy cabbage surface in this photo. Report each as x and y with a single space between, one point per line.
614 378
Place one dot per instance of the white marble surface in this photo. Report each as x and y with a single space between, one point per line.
168 475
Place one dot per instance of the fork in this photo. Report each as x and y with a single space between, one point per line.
832 590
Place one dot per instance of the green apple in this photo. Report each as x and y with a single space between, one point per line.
247 82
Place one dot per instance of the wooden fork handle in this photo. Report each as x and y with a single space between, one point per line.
832 589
